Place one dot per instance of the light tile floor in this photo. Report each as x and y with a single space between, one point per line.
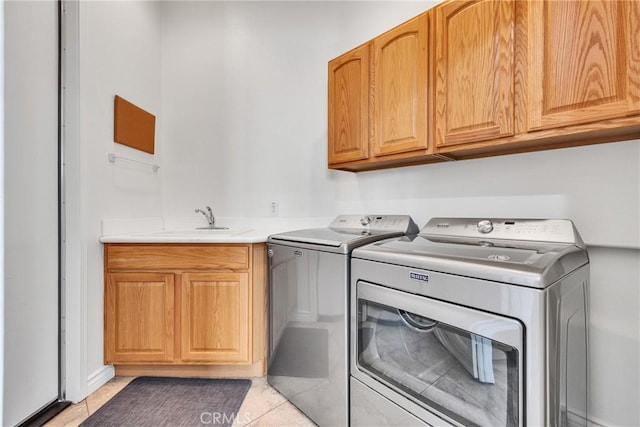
262 407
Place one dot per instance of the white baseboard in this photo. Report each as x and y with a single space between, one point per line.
579 420
595 422
100 378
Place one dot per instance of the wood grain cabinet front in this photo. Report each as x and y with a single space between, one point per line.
400 86
583 61
380 100
348 97
139 308
536 74
489 77
215 316
185 305
474 71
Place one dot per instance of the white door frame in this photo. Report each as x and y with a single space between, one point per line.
74 252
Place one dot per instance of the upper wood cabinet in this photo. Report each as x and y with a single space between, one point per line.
583 61
348 125
491 77
400 88
474 77
380 100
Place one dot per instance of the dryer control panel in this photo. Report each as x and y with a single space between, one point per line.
534 230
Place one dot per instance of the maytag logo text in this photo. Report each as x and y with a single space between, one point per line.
419 276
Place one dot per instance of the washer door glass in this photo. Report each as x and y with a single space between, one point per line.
456 373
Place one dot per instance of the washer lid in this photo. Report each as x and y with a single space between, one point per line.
523 263
325 236
348 231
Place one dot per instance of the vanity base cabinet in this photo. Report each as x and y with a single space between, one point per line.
167 313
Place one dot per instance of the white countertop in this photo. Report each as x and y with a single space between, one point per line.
240 230
191 236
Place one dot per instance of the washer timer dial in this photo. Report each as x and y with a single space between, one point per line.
365 220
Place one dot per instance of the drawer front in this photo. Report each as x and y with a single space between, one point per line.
177 256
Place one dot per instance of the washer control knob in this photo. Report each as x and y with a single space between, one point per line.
365 220
485 226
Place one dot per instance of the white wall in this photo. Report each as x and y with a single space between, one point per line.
244 97
596 186
119 53
245 100
615 332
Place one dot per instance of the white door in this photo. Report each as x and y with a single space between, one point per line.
31 208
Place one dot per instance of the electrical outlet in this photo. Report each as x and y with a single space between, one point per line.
274 208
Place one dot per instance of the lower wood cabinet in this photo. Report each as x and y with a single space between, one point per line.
215 313
139 317
164 308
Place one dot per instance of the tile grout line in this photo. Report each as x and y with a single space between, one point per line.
294 407
86 407
265 413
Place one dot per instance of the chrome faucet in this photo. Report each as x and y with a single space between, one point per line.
209 216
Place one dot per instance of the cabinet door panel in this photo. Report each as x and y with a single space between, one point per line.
584 61
215 317
474 71
400 86
139 317
349 106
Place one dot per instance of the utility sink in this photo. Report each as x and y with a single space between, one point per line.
218 231
212 228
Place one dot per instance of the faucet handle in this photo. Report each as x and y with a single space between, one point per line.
210 218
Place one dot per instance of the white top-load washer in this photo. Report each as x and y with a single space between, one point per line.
472 322
308 310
